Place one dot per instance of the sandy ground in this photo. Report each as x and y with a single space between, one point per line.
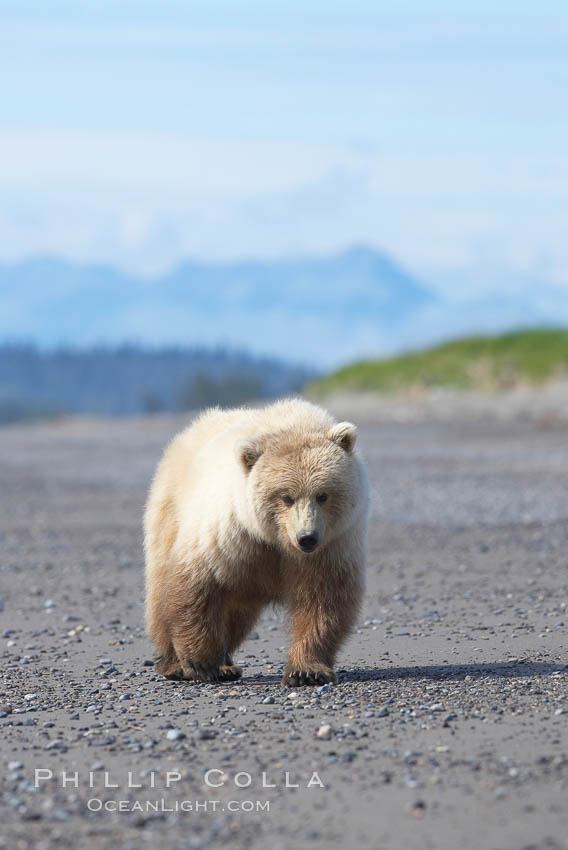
447 728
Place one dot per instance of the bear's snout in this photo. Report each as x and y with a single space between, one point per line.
307 541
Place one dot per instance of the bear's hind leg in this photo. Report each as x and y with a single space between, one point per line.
238 624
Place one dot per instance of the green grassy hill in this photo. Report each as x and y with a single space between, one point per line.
485 363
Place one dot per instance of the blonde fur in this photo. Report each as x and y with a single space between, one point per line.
222 539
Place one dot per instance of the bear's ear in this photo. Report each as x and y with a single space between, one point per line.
248 452
344 434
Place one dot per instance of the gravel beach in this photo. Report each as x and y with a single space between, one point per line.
447 728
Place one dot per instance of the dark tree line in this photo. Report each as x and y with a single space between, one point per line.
133 379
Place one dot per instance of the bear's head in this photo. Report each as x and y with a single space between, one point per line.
304 487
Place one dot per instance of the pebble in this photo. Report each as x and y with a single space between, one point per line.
206 734
175 735
324 732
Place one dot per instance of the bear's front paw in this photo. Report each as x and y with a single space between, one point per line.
168 666
201 671
314 675
195 671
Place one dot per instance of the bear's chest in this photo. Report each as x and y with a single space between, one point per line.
252 570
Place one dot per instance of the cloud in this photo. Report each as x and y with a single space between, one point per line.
147 201
140 133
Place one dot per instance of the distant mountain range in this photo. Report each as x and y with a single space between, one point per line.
325 311
288 308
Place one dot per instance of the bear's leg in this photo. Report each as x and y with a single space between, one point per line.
158 627
196 612
322 614
238 624
199 644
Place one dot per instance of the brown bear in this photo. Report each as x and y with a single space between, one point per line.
250 507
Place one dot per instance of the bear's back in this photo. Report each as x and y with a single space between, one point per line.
217 430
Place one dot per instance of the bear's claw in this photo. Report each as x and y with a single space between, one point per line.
229 672
295 678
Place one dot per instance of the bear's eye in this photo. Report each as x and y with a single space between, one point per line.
321 498
288 500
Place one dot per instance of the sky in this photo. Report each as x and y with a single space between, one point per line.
143 133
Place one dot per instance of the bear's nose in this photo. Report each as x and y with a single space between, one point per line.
307 541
